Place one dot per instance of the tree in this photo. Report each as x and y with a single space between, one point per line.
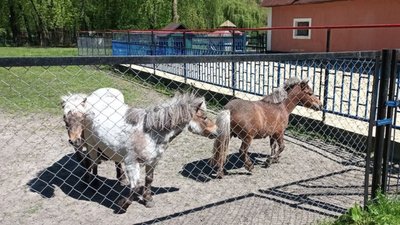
56 22
175 16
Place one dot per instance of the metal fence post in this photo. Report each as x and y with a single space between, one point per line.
326 91
380 128
388 132
184 53
129 44
152 50
326 75
372 119
233 65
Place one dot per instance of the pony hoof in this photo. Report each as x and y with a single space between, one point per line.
249 167
123 182
149 204
220 175
275 160
124 203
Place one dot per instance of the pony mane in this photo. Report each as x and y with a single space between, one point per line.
292 81
135 115
73 102
276 97
175 112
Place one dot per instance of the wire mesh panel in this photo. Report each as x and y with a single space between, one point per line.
317 174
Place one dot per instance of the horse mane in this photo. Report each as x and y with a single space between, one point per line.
135 115
281 94
292 81
276 97
175 112
178 110
73 102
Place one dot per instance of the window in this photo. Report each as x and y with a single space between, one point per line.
299 33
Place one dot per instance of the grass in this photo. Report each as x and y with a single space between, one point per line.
39 89
31 51
384 211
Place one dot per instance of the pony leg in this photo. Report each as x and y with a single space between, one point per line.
248 165
281 147
221 145
133 173
276 144
147 198
91 166
120 172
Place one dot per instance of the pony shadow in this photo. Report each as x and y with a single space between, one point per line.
67 174
202 171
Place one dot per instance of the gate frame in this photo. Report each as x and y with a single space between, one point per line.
383 103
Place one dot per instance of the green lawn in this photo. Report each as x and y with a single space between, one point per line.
30 51
39 89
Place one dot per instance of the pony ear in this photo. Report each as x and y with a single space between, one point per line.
305 81
84 102
199 106
63 100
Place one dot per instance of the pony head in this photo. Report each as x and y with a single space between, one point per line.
74 115
200 124
304 93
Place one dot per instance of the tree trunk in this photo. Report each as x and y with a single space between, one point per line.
175 16
42 29
27 26
13 20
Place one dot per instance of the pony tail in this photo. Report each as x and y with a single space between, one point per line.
221 143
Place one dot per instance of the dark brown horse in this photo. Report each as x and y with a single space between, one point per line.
267 117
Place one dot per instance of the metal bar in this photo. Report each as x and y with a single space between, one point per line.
96 60
380 131
326 92
374 98
388 132
384 122
392 103
328 40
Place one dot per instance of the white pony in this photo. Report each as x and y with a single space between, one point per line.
140 136
74 108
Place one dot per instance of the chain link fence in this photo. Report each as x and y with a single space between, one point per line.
320 173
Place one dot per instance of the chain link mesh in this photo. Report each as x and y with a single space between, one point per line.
320 173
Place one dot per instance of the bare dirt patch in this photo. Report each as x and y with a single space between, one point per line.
41 182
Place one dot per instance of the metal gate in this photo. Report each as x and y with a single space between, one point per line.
383 146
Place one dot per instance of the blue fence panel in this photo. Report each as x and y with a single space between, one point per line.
177 44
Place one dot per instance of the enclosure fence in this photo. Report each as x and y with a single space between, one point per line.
322 171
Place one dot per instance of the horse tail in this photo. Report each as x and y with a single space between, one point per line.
221 142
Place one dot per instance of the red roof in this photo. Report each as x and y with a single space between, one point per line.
271 3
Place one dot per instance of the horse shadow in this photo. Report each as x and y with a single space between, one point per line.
67 174
202 171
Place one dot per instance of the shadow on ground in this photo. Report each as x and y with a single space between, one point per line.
67 174
202 171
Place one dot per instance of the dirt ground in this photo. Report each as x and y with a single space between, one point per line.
41 182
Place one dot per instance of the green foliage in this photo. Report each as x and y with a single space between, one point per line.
48 20
384 210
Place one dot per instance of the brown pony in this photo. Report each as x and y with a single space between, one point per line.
267 117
